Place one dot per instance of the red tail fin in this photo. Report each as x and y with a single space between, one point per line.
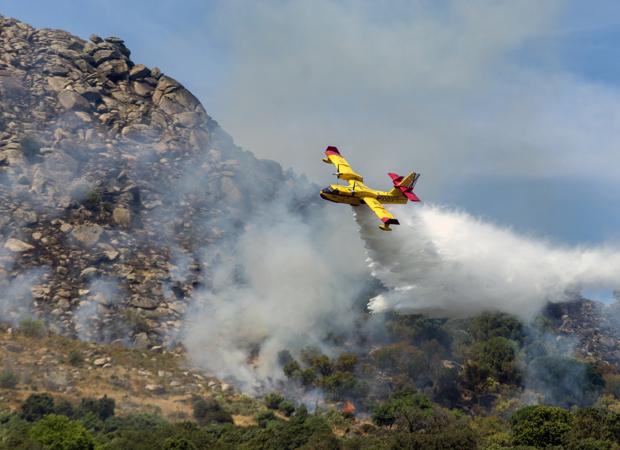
405 185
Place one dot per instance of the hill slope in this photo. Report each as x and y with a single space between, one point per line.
112 178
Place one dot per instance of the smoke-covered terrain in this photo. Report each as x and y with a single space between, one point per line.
130 219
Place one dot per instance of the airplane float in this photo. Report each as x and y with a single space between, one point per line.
357 192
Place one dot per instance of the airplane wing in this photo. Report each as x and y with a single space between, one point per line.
383 214
344 171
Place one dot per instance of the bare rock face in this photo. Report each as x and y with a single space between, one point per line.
17 246
592 328
109 172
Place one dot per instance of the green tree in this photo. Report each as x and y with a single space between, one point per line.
209 410
287 407
36 406
346 362
273 400
264 417
496 324
102 408
32 328
75 358
61 433
383 415
498 355
407 409
8 379
178 443
565 381
541 426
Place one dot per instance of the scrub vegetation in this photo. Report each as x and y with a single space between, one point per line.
483 383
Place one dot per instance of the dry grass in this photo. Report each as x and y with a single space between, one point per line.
42 364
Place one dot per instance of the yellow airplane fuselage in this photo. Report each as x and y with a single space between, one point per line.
356 192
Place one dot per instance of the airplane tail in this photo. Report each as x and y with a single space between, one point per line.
404 185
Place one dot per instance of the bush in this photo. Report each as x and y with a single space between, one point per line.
273 400
407 409
383 415
209 411
496 324
565 381
346 362
264 417
418 329
32 328
541 426
291 369
612 384
92 200
64 408
341 384
75 358
37 406
102 408
287 407
498 355
178 443
61 433
8 379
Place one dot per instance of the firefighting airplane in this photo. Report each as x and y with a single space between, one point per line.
357 192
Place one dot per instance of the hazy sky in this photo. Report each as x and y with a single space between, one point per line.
509 109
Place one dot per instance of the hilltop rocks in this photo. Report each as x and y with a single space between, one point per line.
592 328
87 234
108 171
17 246
122 216
73 100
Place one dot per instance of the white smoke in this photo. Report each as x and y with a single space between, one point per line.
447 262
283 284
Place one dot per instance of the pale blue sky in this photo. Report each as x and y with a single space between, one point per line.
510 112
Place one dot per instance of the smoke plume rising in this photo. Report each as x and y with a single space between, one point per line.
280 285
447 262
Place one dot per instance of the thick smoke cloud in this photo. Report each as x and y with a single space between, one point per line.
449 263
282 284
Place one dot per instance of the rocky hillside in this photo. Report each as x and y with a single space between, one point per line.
117 187
113 179
588 327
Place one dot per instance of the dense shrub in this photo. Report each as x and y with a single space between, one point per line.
346 362
63 407
541 426
287 407
102 408
32 328
8 379
498 356
62 433
489 325
565 381
273 400
209 410
418 329
178 443
37 406
264 417
75 358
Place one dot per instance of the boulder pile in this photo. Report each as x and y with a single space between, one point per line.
114 182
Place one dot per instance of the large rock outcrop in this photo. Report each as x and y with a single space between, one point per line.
112 177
